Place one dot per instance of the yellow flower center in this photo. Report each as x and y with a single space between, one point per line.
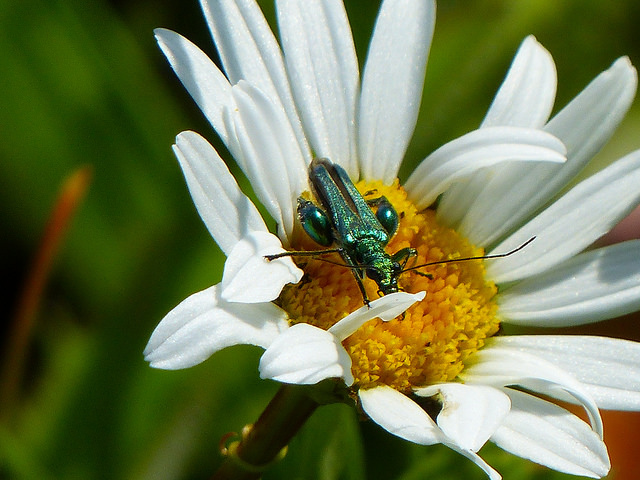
434 337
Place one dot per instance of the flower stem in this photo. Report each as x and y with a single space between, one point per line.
263 442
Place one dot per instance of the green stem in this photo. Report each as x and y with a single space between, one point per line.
261 445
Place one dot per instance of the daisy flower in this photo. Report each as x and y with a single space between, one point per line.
441 372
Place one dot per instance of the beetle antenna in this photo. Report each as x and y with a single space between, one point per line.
481 257
316 254
302 253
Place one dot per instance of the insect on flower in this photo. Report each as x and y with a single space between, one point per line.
347 220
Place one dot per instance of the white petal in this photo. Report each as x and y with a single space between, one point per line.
516 192
589 120
386 308
593 286
526 96
577 219
306 355
200 76
249 278
455 203
228 214
475 458
273 161
549 435
504 366
323 70
249 51
399 415
608 368
525 99
202 324
470 413
478 149
392 84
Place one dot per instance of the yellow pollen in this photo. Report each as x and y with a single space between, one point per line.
434 337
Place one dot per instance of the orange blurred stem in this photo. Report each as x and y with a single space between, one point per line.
71 194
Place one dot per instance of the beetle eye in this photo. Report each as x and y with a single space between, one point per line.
388 217
315 222
374 275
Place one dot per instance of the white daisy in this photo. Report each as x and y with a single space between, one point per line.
438 373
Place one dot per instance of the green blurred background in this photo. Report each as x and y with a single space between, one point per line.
83 83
